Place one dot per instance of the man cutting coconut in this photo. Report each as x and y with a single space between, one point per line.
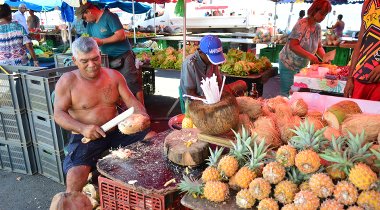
85 99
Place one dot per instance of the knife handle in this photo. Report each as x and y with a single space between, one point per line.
85 140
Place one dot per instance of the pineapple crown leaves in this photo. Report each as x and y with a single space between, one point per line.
191 186
345 152
240 149
307 138
294 175
377 155
257 154
214 156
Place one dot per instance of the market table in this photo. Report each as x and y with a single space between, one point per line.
148 168
315 83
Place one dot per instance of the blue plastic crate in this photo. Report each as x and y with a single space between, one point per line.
17 157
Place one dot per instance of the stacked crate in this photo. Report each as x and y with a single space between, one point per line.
48 138
16 149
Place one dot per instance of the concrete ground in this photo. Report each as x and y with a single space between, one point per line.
19 192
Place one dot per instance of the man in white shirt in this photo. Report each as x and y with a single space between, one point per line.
20 17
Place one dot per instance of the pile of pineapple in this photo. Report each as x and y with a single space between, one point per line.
309 172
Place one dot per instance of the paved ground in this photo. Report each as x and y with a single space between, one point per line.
19 192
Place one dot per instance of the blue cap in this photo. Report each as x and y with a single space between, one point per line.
212 47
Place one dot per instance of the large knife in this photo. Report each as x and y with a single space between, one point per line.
113 122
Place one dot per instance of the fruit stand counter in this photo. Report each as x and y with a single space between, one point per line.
141 177
315 81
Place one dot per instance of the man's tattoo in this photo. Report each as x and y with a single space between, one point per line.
107 92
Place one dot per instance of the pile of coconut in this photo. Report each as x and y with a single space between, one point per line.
273 119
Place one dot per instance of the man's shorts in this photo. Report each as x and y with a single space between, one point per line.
88 154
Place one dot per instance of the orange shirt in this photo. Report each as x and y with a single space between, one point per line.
369 56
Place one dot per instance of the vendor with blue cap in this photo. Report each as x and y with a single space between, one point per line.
203 63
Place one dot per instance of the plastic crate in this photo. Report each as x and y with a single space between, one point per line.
46 132
14 127
148 80
50 163
11 92
65 59
17 157
38 87
115 196
269 53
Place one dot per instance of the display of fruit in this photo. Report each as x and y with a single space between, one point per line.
331 39
211 173
293 176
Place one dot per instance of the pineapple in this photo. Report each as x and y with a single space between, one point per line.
216 191
306 200
362 176
310 142
369 200
331 204
211 173
229 164
274 172
260 188
191 186
248 172
187 122
321 184
347 154
286 155
346 193
290 206
305 186
268 204
285 191
244 199
335 174
355 208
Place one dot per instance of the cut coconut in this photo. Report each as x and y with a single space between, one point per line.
359 122
336 113
134 123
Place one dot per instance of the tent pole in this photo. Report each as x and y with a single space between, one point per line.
133 23
275 20
290 16
184 31
70 37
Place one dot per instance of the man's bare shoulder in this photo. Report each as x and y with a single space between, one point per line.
113 73
68 78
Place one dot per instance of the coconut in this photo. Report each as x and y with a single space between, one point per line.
267 133
215 118
250 106
244 121
286 126
299 107
315 114
318 124
265 121
355 124
276 101
283 111
330 132
338 112
71 200
134 123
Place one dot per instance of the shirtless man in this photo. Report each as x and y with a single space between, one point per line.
86 99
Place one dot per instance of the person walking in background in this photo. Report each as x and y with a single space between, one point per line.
14 41
107 30
301 14
338 26
364 76
33 21
304 44
19 16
